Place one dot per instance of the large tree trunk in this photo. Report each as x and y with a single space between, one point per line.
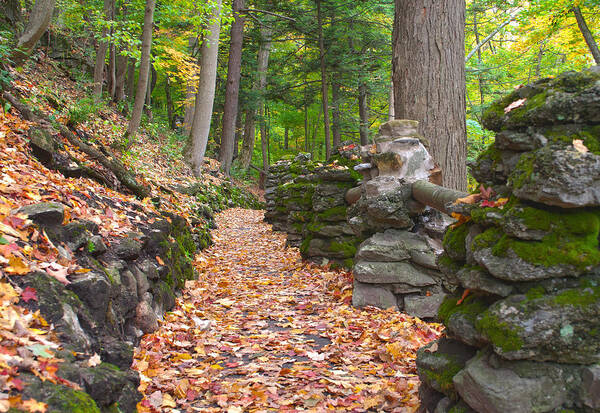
232 89
205 95
142 84
101 53
239 127
39 20
120 77
363 113
429 78
587 34
259 86
324 87
336 128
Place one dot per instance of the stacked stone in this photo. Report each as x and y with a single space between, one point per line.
396 265
527 336
307 201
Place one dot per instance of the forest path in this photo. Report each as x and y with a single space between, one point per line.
262 331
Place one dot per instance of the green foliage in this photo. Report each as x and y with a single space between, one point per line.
81 111
6 48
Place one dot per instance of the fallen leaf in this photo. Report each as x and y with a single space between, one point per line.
514 105
29 294
94 360
33 406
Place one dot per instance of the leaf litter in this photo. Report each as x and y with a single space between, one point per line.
260 330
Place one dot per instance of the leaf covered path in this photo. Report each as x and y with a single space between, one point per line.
262 331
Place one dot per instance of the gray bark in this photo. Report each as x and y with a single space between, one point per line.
205 95
142 84
232 88
429 79
363 112
587 34
39 19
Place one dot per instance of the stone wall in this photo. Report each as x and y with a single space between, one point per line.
396 265
523 326
306 200
131 281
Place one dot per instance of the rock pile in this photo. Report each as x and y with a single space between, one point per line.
396 265
306 200
527 336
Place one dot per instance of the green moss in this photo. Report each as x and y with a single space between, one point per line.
315 226
348 263
499 333
590 135
348 248
487 238
557 220
447 264
535 293
61 399
578 297
454 242
444 377
305 243
523 170
333 213
458 409
471 307
91 247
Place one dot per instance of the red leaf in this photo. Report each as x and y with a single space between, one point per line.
29 294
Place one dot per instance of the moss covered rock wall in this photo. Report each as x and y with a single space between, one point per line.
525 267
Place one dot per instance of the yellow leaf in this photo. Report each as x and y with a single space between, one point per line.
168 401
16 266
32 405
216 367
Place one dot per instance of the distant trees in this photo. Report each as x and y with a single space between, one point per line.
142 84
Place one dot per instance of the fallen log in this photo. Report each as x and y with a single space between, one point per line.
434 195
125 177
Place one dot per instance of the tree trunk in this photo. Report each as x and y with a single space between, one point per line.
336 125
232 89
587 34
170 115
286 136
205 95
39 19
324 87
190 91
129 86
363 113
140 93
263 144
248 144
120 77
112 71
10 13
306 131
479 75
259 86
239 127
429 78
152 77
391 103
101 53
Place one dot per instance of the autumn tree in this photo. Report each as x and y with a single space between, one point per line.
429 78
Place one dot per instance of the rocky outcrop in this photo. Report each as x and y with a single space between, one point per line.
525 266
125 285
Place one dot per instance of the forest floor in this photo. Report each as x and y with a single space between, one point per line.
260 330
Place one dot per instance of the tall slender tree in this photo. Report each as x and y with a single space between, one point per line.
205 95
232 89
429 78
142 84
324 85
101 51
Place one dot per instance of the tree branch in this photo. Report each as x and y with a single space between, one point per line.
488 38
281 16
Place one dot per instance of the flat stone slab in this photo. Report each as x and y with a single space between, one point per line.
391 273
